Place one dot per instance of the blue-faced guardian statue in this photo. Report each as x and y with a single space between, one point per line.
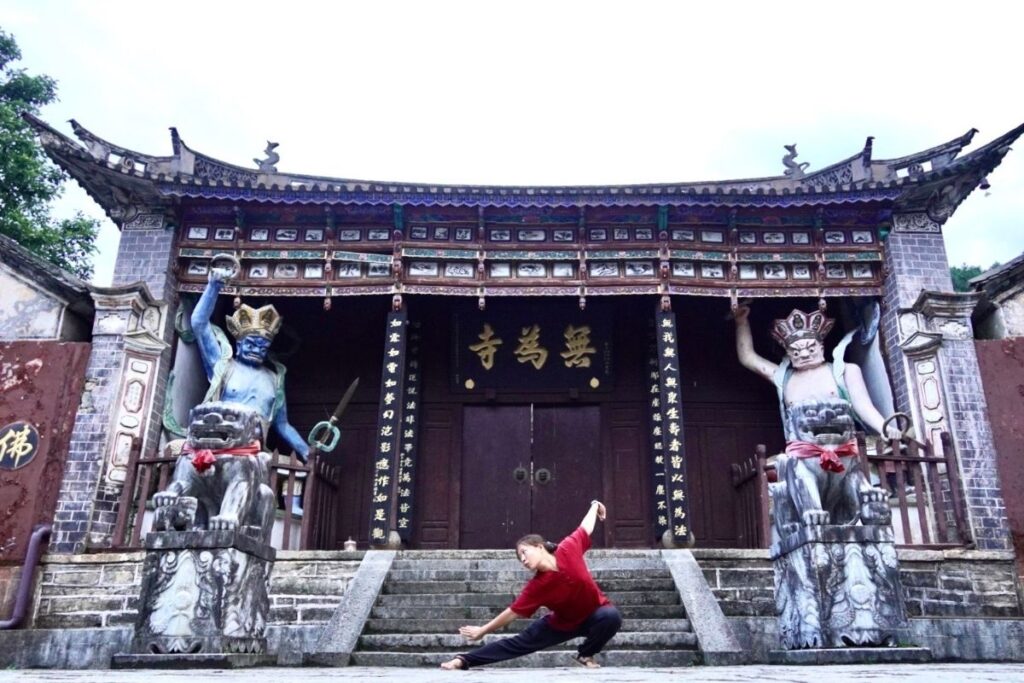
224 464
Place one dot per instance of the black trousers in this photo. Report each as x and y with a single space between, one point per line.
597 630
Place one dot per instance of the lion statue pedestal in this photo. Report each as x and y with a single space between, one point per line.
206 574
204 592
837 579
839 586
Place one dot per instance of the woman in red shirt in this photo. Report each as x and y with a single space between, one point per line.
563 584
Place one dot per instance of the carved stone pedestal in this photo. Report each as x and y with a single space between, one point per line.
203 593
839 586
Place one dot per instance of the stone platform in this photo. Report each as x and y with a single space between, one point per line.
214 660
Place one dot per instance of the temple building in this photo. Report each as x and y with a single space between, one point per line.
511 342
530 318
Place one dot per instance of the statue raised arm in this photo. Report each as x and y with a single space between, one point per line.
247 377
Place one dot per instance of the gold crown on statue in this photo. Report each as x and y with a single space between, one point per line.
800 325
264 322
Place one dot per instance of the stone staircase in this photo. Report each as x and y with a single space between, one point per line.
428 595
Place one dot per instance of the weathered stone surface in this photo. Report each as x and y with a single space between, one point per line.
202 660
63 648
838 587
717 643
339 637
203 593
852 655
220 538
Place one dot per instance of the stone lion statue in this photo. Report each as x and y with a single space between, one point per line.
221 479
820 480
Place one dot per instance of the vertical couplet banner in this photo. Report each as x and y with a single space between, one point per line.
660 497
673 444
389 429
410 435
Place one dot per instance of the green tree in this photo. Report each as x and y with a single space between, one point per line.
28 181
963 273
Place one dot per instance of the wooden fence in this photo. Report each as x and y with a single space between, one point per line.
312 527
925 492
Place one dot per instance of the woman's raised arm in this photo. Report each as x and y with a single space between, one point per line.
597 511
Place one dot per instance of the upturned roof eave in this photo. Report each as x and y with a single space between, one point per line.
175 176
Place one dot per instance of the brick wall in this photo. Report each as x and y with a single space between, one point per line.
102 589
743 581
305 591
147 255
87 505
968 411
936 583
960 584
88 591
913 262
84 464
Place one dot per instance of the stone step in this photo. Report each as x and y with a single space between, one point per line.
639 563
515 573
503 553
452 625
416 642
513 587
543 659
480 614
502 600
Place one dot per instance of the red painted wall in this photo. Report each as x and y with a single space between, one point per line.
40 383
1002 371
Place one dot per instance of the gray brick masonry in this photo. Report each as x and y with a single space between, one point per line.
916 263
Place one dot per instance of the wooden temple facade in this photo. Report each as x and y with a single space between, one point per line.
523 350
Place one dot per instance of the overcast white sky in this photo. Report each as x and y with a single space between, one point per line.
540 92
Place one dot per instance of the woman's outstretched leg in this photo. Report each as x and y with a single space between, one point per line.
536 636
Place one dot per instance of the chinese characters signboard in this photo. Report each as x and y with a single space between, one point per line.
667 425
19 443
530 348
410 435
389 425
657 446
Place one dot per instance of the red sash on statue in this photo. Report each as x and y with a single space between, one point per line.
829 456
204 458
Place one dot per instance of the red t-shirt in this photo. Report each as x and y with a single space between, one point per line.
570 593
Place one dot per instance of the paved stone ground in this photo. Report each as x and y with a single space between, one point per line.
902 673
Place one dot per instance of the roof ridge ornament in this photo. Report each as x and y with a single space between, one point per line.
794 171
267 165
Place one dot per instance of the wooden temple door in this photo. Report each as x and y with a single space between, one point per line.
527 469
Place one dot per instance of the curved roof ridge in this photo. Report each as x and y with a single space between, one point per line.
100 148
950 148
121 179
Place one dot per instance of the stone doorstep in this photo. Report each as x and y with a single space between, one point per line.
852 655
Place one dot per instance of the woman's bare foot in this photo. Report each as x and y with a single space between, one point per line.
453 664
586 662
